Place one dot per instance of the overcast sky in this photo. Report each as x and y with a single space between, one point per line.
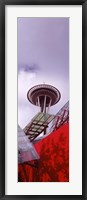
43 57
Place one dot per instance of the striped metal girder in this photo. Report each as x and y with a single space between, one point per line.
61 117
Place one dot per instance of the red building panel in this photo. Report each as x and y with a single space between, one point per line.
53 165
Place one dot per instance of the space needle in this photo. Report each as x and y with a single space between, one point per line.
44 96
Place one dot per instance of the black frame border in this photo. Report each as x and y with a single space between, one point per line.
84 97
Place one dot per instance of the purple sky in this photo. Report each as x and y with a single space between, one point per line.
43 56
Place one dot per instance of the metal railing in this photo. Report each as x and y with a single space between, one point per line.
61 117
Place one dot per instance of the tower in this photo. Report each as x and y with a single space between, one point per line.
44 96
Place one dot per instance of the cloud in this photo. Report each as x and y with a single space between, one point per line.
29 68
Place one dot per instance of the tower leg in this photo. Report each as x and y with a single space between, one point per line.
49 106
38 102
44 107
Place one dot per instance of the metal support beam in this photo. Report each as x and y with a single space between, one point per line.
49 105
44 108
38 102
